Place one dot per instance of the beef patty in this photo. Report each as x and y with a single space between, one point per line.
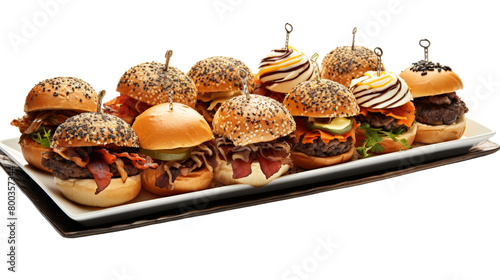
439 109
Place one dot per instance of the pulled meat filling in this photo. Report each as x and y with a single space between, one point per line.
204 155
50 119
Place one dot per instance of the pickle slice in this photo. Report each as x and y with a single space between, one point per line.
335 126
168 154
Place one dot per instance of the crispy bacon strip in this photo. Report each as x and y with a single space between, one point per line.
100 171
138 161
78 156
123 107
106 156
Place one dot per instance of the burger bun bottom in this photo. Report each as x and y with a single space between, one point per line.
32 153
224 175
194 181
311 162
430 134
82 191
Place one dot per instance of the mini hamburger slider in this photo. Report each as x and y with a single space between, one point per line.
324 113
346 63
249 134
179 140
439 112
95 160
387 114
48 104
148 84
217 80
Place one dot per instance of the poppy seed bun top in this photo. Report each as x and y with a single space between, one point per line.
61 93
161 128
150 83
258 119
344 64
219 73
94 129
321 99
425 82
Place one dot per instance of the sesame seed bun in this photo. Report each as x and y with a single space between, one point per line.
161 128
196 180
254 120
430 134
219 73
311 162
61 93
32 153
430 84
94 129
387 143
344 64
323 98
148 82
82 191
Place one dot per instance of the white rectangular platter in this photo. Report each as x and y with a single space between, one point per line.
147 203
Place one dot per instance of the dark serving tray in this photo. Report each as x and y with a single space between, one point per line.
67 227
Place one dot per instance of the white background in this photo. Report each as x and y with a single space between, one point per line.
439 224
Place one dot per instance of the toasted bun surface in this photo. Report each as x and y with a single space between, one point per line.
430 134
32 153
257 119
387 143
220 73
61 93
324 98
194 181
82 191
311 162
161 128
433 83
94 129
150 83
224 175
344 64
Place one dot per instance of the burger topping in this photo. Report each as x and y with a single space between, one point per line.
168 154
405 114
424 66
33 122
374 137
380 92
101 173
308 136
124 107
270 155
331 125
42 137
199 157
